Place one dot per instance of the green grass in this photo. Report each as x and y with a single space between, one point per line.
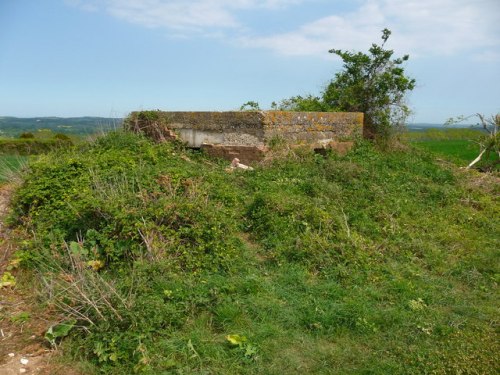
371 263
460 146
460 151
446 133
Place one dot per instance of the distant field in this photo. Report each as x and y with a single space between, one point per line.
426 134
456 150
30 146
458 145
79 126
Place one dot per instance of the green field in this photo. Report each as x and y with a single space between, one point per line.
460 151
12 127
163 262
460 146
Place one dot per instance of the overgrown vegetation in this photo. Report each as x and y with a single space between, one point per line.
160 261
250 106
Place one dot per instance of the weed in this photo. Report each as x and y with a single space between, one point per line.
20 318
7 280
58 331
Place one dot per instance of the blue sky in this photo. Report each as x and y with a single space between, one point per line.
109 57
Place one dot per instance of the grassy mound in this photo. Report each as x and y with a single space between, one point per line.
164 262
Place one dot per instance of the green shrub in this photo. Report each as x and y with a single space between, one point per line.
26 135
62 137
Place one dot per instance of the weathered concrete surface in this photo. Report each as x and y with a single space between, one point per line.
313 127
245 134
197 128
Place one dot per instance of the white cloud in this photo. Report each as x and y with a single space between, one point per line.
423 27
177 15
420 27
187 15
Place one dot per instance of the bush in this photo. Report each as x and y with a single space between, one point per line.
26 135
62 137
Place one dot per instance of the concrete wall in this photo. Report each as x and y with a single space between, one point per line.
312 127
197 128
246 129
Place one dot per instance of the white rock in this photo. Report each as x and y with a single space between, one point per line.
24 361
236 164
12 355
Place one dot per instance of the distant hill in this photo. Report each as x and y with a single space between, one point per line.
13 126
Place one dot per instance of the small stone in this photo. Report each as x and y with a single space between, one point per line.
24 361
12 355
22 370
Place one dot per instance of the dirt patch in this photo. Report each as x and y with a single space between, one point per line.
485 181
23 323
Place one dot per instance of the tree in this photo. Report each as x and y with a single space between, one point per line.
309 103
490 143
374 84
250 106
26 135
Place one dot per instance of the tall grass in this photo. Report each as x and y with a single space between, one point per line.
10 165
